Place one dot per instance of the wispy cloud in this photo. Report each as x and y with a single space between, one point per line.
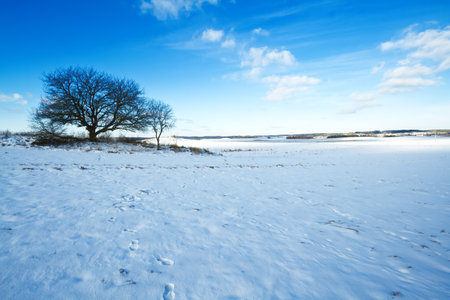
284 87
358 107
408 71
377 68
405 84
212 35
363 96
228 43
361 102
444 65
166 9
12 109
14 98
260 31
293 10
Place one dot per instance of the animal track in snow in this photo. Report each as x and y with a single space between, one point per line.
134 245
165 261
169 293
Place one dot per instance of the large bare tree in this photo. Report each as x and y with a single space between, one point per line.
94 100
160 117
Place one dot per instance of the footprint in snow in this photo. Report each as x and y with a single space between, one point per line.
165 261
169 293
130 198
123 271
129 282
120 207
134 245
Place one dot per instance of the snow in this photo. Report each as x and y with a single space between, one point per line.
353 218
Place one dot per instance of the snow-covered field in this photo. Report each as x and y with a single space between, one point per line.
262 219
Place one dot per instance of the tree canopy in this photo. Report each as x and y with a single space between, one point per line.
97 101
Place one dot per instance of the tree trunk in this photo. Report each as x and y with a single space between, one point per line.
158 146
92 135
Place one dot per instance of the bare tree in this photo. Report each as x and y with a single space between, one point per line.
46 127
94 100
160 117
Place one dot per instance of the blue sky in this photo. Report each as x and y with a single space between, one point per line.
242 67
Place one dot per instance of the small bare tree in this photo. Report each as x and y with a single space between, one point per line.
46 127
160 118
94 100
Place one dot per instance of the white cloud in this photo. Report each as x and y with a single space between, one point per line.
387 46
253 73
211 35
433 44
262 57
285 87
412 82
404 62
258 59
260 31
257 62
408 71
228 43
14 98
427 53
407 84
407 78
165 9
444 65
363 96
358 107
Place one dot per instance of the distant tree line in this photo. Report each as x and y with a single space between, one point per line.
98 102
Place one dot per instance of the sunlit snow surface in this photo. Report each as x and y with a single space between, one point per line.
261 219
